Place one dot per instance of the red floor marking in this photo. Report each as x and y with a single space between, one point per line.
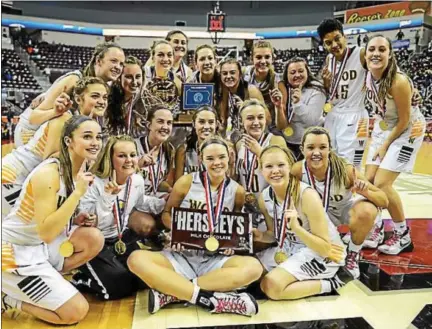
418 261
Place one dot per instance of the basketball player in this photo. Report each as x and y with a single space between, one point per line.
309 251
262 75
179 42
235 91
254 139
91 96
344 73
304 106
336 181
118 200
126 112
106 64
203 279
38 239
205 61
157 154
162 54
397 136
204 125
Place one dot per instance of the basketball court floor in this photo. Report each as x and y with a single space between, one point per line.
394 292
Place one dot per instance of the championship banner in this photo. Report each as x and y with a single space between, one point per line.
190 228
391 10
196 95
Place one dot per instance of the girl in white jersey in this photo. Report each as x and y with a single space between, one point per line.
91 96
344 73
192 275
235 90
179 42
38 239
262 75
337 182
205 61
118 200
253 122
106 64
397 136
309 251
126 112
204 125
304 106
159 78
156 152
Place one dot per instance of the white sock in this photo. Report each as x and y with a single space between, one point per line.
195 294
12 302
325 286
400 227
378 218
354 247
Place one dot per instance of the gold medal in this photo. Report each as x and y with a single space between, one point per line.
212 244
288 131
250 198
383 125
328 107
120 247
280 256
66 249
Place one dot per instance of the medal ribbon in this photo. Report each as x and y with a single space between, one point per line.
182 71
381 105
213 213
129 115
290 109
337 76
155 177
119 218
261 85
250 166
281 230
327 183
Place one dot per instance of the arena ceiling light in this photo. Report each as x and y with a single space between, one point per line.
190 34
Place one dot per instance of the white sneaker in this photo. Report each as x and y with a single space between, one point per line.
397 243
228 302
375 237
347 238
352 263
157 300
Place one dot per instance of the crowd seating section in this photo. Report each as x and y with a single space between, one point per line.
15 74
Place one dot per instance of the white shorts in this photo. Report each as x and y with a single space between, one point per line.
348 133
32 279
192 264
341 215
304 264
402 153
54 257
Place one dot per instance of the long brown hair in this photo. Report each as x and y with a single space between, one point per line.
338 164
68 130
293 182
389 73
103 167
311 81
98 53
116 112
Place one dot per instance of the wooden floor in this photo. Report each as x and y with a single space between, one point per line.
382 310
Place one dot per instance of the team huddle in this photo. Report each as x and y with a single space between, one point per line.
100 164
